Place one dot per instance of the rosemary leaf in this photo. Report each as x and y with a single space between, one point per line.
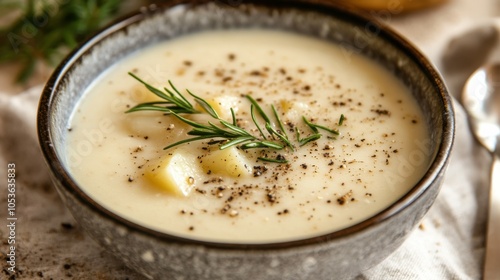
186 141
152 89
233 117
315 127
308 139
255 121
183 99
236 141
259 109
187 121
282 127
152 106
235 128
279 135
262 144
341 119
311 125
205 105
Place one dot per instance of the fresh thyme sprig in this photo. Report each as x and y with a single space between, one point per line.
229 133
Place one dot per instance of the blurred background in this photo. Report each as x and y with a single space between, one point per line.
36 35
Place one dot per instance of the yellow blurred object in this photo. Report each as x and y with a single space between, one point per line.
393 6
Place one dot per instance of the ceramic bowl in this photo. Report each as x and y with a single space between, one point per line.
341 254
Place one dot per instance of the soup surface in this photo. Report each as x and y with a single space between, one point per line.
196 190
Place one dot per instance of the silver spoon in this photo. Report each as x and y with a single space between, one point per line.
481 99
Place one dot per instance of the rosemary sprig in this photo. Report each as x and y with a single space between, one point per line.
228 134
176 104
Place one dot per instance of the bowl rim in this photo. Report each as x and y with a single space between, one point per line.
330 9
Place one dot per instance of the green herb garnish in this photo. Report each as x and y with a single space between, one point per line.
341 119
48 30
228 133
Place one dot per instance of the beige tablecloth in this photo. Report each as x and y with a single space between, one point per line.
449 244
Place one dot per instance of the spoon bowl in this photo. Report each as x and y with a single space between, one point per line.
481 100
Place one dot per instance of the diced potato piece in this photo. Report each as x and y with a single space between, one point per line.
230 162
222 105
177 173
292 110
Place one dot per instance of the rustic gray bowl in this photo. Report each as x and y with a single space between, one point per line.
341 254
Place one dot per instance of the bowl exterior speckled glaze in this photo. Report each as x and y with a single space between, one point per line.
338 255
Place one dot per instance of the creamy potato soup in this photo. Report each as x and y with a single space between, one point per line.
344 138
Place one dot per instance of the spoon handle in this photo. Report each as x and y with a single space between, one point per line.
492 254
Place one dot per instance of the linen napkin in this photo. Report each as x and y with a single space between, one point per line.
448 244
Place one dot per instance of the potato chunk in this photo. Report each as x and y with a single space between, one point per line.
292 110
177 173
230 162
